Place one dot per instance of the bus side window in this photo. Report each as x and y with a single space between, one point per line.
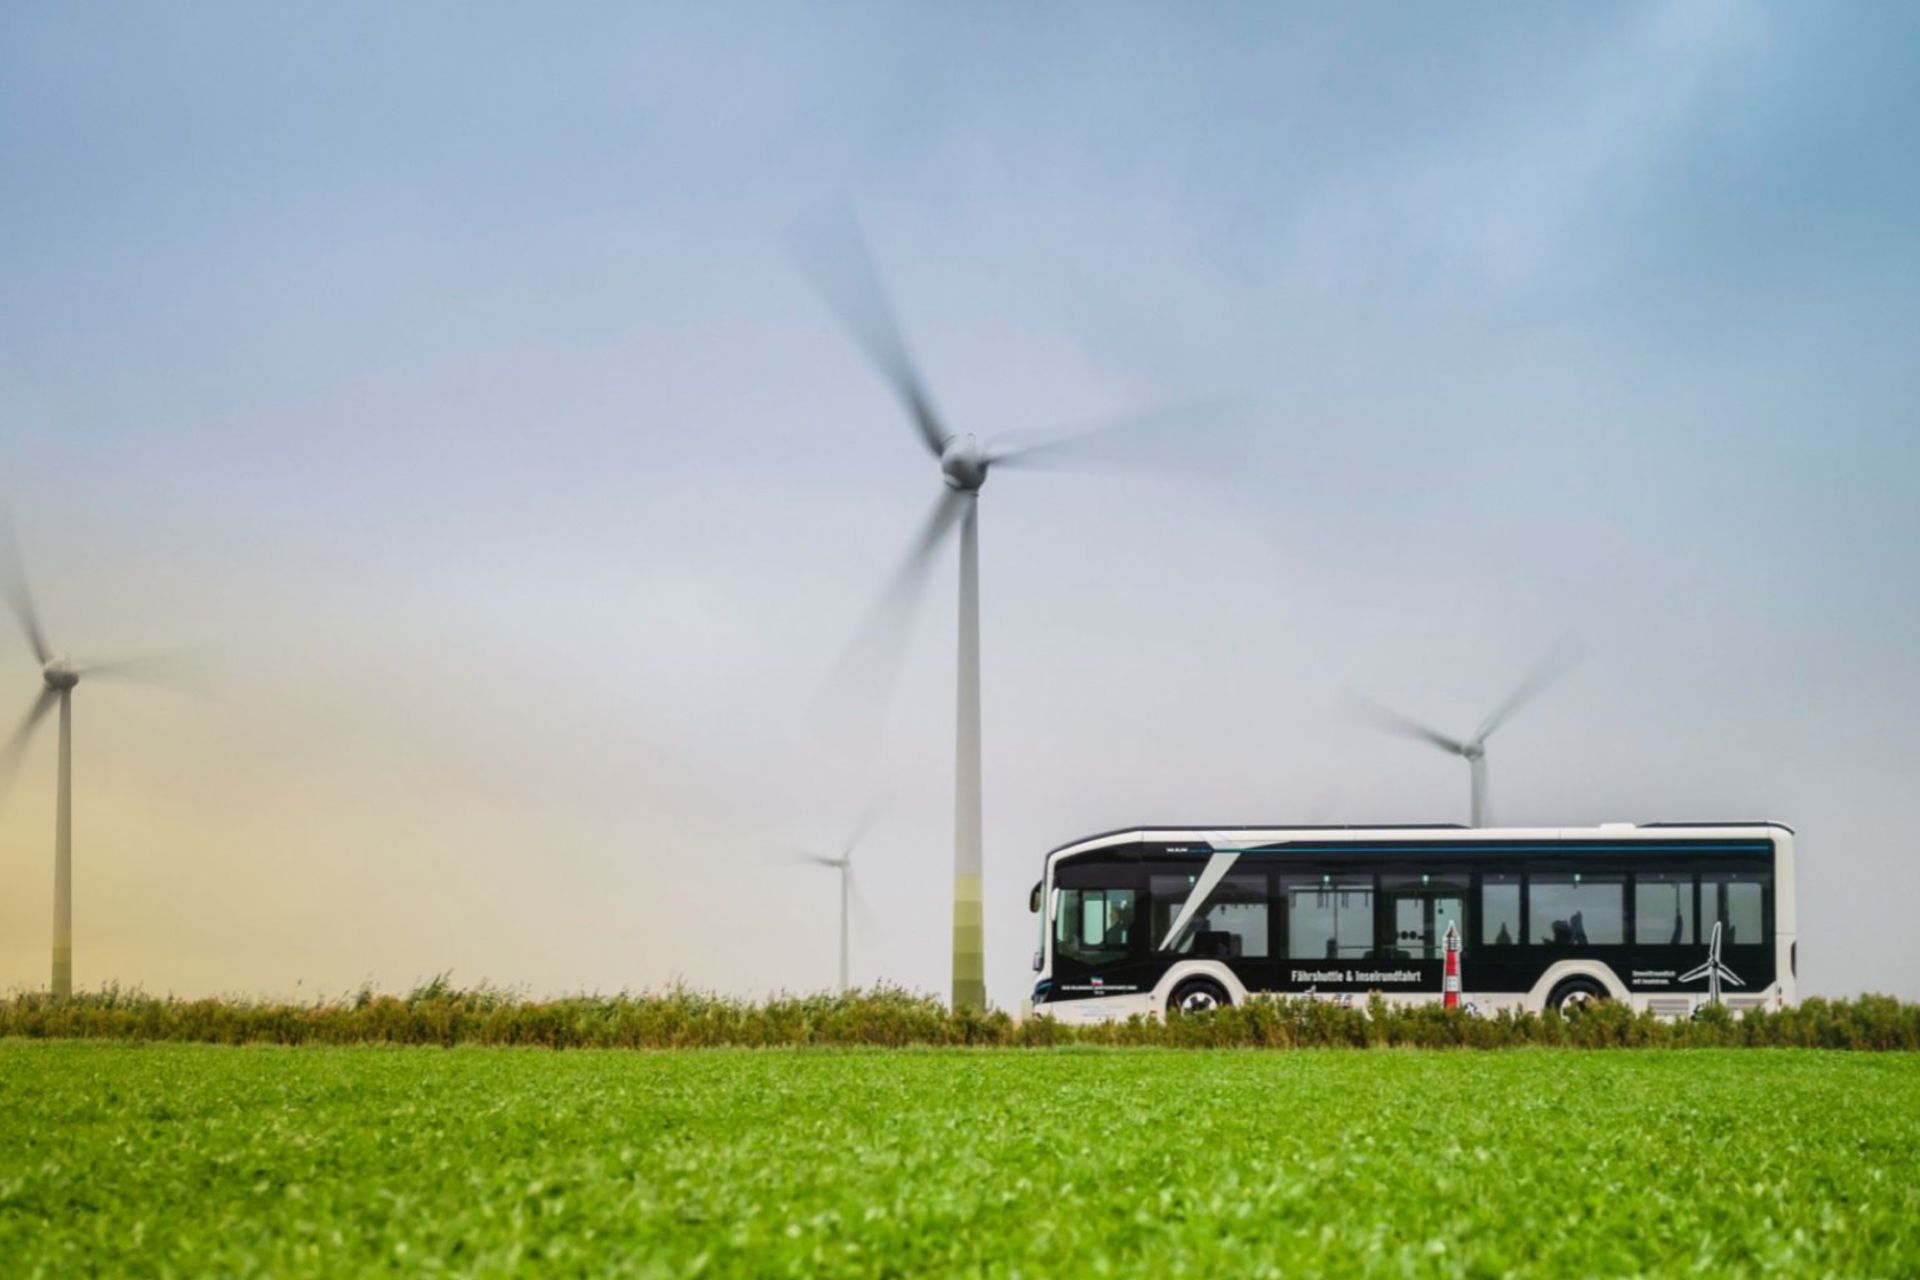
1575 909
1329 917
1736 901
1663 908
1230 924
1499 910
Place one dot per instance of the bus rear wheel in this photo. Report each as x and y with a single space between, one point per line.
1199 995
1575 993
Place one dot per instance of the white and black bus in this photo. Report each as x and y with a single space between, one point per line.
1141 920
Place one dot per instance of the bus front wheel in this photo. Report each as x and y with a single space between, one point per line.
1575 993
1199 995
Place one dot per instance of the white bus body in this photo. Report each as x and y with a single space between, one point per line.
1137 920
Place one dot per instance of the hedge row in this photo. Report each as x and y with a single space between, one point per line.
439 1014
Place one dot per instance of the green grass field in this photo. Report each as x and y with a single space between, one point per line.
197 1160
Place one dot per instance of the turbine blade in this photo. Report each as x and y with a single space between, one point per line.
833 255
1123 440
1393 722
855 697
17 745
184 670
862 913
861 828
1562 658
793 854
13 583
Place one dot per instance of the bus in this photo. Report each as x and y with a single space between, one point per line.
1147 919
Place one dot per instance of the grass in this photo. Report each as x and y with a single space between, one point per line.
193 1159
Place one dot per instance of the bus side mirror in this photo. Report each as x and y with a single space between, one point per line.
1033 899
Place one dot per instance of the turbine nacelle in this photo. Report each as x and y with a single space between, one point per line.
963 463
60 674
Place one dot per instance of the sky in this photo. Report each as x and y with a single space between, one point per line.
444 371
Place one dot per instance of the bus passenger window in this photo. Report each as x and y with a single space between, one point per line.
1736 901
1499 910
1231 924
1663 908
1329 917
1578 910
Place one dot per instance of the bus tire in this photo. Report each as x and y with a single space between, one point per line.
1575 993
1199 995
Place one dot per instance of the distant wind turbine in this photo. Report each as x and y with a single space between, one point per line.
1473 749
834 256
58 677
844 865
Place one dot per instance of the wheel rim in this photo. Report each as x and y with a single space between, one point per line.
1199 1002
1578 998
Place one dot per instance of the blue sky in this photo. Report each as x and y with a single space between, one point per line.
446 370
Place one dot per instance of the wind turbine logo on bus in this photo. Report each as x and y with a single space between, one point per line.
1713 970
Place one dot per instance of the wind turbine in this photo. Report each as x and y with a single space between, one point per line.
59 675
1473 749
1713 971
835 257
844 865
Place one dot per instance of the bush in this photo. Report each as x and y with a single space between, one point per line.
438 1013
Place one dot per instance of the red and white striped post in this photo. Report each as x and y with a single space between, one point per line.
1450 988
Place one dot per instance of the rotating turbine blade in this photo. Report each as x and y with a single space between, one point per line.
856 695
862 912
860 830
1134 439
1393 722
1561 659
794 854
13 582
184 670
833 254
17 744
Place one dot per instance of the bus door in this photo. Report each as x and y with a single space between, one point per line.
1418 908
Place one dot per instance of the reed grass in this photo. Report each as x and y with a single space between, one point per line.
439 1013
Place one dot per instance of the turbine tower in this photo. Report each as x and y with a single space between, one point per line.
1473 749
59 676
834 255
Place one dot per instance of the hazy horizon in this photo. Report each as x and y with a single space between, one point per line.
444 369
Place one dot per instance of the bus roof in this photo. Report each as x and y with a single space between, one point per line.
1439 831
